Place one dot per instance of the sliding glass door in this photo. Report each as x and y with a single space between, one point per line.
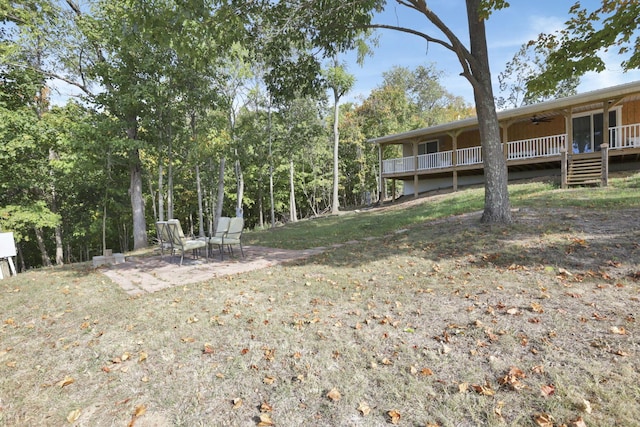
588 132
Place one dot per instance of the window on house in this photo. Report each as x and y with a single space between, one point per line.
427 147
588 132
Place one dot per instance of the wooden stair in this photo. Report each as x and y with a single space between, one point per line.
585 170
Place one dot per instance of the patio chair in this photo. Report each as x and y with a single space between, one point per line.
180 242
234 234
164 239
221 229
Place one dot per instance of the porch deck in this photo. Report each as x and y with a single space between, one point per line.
540 152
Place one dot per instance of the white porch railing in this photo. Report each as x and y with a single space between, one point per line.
546 146
624 137
435 160
403 164
469 156
536 147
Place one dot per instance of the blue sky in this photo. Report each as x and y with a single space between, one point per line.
507 31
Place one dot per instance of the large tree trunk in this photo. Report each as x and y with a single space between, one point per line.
137 202
335 205
497 208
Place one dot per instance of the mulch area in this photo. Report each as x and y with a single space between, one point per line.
139 275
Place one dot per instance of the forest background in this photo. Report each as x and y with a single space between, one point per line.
180 106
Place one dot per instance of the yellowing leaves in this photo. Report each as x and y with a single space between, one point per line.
334 395
73 416
394 416
65 382
364 408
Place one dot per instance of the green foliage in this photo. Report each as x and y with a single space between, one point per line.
587 36
528 63
21 220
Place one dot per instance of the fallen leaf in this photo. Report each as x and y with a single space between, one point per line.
547 390
463 387
269 380
543 420
142 356
618 330
265 407
73 416
125 356
66 381
188 339
426 372
364 408
265 420
512 311
208 349
334 395
140 410
579 422
585 406
394 416
485 390
237 402
536 307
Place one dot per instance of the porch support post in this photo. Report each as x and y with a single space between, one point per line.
604 149
454 158
563 168
505 138
568 125
415 170
382 190
605 123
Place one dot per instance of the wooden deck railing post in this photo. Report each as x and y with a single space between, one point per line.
604 148
563 168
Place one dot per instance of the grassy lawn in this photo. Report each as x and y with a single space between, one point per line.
438 321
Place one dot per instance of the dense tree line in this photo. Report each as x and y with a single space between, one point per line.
175 119
193 109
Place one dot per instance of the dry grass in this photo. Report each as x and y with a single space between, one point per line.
426 324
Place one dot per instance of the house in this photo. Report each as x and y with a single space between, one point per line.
577 138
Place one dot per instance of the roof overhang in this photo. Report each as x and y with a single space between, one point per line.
581 102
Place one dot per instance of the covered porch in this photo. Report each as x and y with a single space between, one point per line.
535 137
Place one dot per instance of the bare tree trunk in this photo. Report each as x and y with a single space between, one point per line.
43 249
335 205
170 181
240 189
200 211
220 201
137 202
271 196
160 193
293 214
153 200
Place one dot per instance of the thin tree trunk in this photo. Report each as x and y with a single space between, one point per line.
170 181
43 249
153 200
137 202
200 211
240 189
293 214
104 227
160 193
271 196
220 201
335 205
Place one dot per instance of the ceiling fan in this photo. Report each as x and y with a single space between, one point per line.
536 120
